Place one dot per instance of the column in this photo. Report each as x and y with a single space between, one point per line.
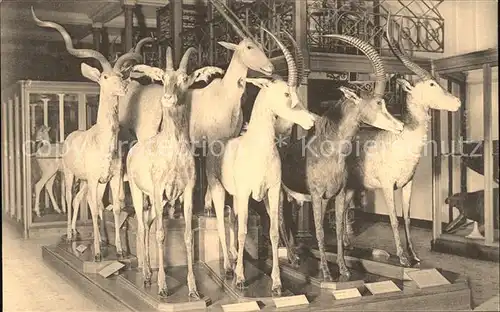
104 42
96 35
300 16
129 24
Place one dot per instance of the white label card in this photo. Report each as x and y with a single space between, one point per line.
81 248
241 307
284 302
428 278
382 287
346 293
110 269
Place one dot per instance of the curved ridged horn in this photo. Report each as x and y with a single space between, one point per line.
185 59
292 68
238 30
299 58
373 56
169 59
142 42
419 71
131 55
80 53
242 26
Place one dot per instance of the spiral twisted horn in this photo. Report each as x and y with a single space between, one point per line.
80 53
374 58
405 59
185 59
133 54
142 42
292 67
299 57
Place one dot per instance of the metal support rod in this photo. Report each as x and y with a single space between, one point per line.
450 158
17 150
488 155
436 172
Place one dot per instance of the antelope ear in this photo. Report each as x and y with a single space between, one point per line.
228 45
259 82
90 72
48 129
349 94
405 84
152 72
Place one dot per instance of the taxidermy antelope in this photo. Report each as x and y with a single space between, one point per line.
49 165
91 155
164 164
249 165
391 163
325 151
215 109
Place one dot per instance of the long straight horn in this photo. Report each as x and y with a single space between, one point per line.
292 68
169 60
185 59
228 19
373 56
242 26
80 53
419 71
299 57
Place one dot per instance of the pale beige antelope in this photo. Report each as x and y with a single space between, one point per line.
250 165
164 165
47 157
390 165
91 155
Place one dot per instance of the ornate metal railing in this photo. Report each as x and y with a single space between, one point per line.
419 25
422 26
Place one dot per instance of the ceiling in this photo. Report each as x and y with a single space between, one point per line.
78 17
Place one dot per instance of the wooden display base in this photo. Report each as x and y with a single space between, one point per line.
126 291
461 246
85 260
258 283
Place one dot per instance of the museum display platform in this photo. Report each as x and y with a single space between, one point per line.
377 281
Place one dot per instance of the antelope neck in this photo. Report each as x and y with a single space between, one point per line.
415 115
347 124
261 125
173 120
107 122
234 73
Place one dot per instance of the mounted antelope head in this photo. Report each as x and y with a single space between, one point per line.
110 79
427 92
176 82
281 96
248 51
374 111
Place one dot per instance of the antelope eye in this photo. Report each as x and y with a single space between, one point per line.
432 84
105 77
379 102
249 47
287 94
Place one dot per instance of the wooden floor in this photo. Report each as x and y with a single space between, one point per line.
29 285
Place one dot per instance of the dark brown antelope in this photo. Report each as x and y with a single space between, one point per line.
324 167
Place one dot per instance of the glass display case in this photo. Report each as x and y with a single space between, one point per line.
465 159
36 118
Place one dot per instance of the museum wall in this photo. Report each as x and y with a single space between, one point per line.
470 26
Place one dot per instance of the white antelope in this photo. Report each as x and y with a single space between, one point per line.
164 164
91 155
390 164
250 165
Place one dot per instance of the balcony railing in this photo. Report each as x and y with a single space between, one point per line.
419 25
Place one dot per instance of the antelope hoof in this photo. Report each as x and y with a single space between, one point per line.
240 284
403 259
344 272
75 234
276 291
163 293
147 282
120 254
98 257
38 214
294 260
193 294
416 259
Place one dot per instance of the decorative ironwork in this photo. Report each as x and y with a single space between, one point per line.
421 26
